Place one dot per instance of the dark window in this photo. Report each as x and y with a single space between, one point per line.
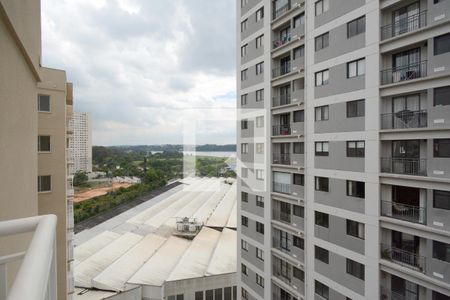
244 221
244 269
299 116
244 294
299 148
355 229
299 274
356 148
44 183
356 68
298 242
299 179
259 95
322 41
259 280
322 149
321 219
217 294
43 143
199 295
442 96
321 254
355 268
436 295
441 199
441 147
355 189
299 20
244 99
244 74
244 197
260 201
299 52
299 211
355 108
442 44
260 227
181 297
322 77
322 113
321 289
244 124
259 68
259 41
260 14
43 103
322 184
356 27
226 294
441 251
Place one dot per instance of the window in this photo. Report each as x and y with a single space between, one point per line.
259 227
244 148
244 50
260 68
321 6
355 229
244 25
355 268
260 201
244 269
259 148
260 14
356 27
322 41
244 99
322 184
299 52
244 172
355 189
441 199
441 147
244 294
355 108
299 274
244 74
442 44
259 280
298 242
436 295
260 41
217 294
356 68
43 103
244 245
322 149
441 251
299 116
244 197
299 148
209 295
298 211
44 183
259 174
259 95
321 219
321 254
356 149
199 295
244 124
259 254
244 221
299 179
43 143
227 293
322 77
299 20
321 289
442 96
322 113
259 121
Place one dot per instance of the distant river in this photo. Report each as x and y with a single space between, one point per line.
211 153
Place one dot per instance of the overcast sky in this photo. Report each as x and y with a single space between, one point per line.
145 69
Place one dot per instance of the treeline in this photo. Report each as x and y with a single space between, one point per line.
174 148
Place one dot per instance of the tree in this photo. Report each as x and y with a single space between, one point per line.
80 178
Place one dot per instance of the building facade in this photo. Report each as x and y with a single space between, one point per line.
82 142
35 105
344 149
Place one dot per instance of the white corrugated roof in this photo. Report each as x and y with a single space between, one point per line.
156 270
207 209
117 274
220 216
93 245
225 255
232 220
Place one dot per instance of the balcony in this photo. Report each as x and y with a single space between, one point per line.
404 73
281 10
69 125
283 246
281 100
404 119
410 213
403 258
278 130
404 166
36 277
69 156
282 40
405 25
284 188
282 158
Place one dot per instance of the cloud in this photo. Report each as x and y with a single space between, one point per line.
145 68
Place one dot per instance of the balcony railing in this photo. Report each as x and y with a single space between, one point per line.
281 130
280 11
404 73
410 213
406 166
282 158
281 41
404 25
36 277
283 69
282 246
70 125
281 100
284 188
403 257
404 119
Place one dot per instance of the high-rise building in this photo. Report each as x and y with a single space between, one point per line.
82 142
344 149
35 106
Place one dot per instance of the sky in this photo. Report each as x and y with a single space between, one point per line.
148 71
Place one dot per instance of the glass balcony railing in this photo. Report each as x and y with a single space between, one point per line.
284 188
404 25
278 130
281 100
282 158
410 213
405 166
283 69
281 10
404 73
403 257
404 119
281 40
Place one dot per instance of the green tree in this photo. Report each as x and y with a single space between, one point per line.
80 178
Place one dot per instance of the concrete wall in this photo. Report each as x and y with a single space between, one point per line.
337 159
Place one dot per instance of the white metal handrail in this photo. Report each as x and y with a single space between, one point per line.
36 277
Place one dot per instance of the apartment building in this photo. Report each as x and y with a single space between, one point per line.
82 142
344 149
35 106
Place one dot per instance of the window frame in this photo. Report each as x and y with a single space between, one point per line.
49 144
445 96
259 68
244 25
320 185
298 116
324 112
259 254
40 184
442 254
244 49
446 46
244 197
259 95
244 221
259 201
322 81
446 206
358 29
244 74
244 99
259 227
359 110
244 148
356 151
322 145
259 14
355 229
39 106
259 41
321 219
322 41
357 62
356 191
322 254
437 145
298 148
355 269
244 245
